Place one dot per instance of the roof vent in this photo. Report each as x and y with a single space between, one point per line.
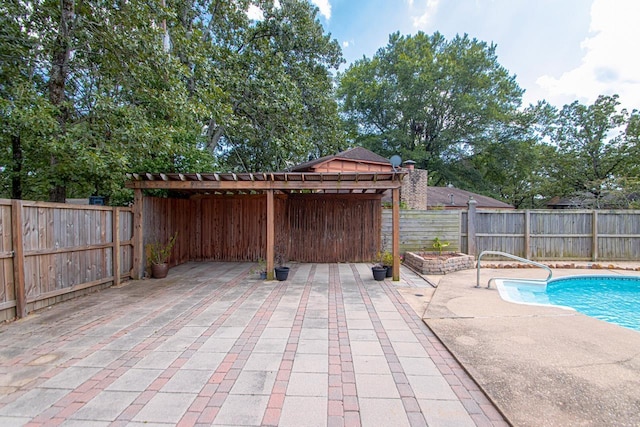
409 164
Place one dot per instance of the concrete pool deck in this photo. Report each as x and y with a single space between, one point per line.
541 366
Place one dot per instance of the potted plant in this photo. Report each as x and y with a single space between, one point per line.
282 271
260 269
387 261
158 255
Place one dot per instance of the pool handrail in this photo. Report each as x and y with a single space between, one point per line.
517 258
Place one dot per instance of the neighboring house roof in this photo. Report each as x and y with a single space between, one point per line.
609 200
455 198
354 159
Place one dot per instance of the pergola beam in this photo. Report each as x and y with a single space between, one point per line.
263 185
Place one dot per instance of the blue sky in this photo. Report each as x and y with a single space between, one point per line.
559 50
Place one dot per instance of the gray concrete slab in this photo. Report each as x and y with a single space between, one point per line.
540 365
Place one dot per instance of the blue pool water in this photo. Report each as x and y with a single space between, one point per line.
614 299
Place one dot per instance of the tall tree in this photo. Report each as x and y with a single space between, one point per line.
280 90
429 99
96 89
592 149
512 166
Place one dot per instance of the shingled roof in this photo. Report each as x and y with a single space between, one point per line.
356 154
455 198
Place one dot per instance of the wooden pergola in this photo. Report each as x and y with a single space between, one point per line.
269 184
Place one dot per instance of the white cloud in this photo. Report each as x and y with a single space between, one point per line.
255 13
324 6
610 64
345 44
429 10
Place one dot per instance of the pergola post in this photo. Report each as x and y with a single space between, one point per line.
138 237
271 228
395 240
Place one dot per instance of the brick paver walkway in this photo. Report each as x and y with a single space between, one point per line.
210 345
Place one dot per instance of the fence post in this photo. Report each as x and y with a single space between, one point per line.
471 226
116 246
594 239
527 234
18 259
138 236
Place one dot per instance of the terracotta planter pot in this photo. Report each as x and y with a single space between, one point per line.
159 271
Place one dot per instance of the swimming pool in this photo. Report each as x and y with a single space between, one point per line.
614 299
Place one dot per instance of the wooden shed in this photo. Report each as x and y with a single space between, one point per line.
305 216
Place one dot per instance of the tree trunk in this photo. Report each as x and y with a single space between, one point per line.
16 178
57 82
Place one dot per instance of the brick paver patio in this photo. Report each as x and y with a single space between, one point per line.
210 345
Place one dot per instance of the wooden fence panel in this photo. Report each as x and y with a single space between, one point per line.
66 247
62 249
501 230
419 228
561 235
618 235
7 292
126 242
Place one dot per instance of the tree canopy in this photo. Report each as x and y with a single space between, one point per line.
92 90
451 107
431 100
596 151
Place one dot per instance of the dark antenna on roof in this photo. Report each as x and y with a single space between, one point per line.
395 162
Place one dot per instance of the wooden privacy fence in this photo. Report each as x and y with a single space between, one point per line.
50 252
587 235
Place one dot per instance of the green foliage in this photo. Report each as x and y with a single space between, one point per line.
439 245
594 150
159 252
386 258
90 91
430 100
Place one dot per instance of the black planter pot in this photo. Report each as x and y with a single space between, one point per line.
282 273
379 273
389 271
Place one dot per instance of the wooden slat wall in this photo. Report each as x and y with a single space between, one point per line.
233 228
333 228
